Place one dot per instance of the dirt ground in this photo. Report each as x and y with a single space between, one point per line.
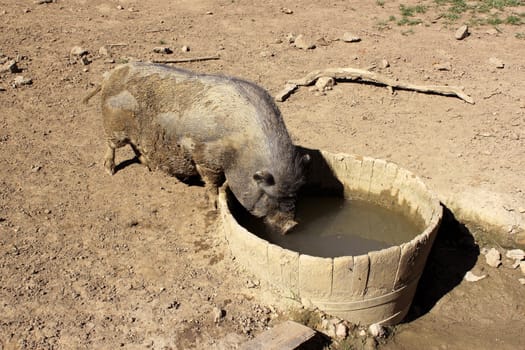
137 260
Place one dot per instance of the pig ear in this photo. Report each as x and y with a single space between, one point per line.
263 177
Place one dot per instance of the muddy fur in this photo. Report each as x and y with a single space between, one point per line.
215 127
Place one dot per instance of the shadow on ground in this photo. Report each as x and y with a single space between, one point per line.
453 254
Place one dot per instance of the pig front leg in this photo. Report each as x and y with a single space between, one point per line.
213 179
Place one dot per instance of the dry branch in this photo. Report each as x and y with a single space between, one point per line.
367 76
182 60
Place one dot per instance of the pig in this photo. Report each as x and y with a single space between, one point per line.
214 127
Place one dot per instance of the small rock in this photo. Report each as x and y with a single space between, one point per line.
10 66
324 83
517 254
35 168
162 49
132 9
443 66
290 37
496 62
209 13
2 88
350 38
522 280
103 51
78 51
266 54
111 60
26 10
40 2
322 42
376 330
384 64
120 7
218 314
185 48
493 258
20 81
522 267
286 10
303 43
521 210
341 331
492 31
470 277
461 33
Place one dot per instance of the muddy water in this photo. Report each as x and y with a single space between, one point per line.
332 226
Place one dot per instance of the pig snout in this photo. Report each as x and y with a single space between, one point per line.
281 222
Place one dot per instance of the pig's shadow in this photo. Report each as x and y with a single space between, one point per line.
453 254
190 181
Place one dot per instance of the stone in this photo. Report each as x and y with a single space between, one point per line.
470 277
218 314
517 254
385 63
341 331
162 49
2 88
10 66
324 83
286 10
40 2
350 38
185 48
120 7
493 258
522 280
461 33
446 66
376 330
290 37
496 62
522 267
303 43
78 51
21 81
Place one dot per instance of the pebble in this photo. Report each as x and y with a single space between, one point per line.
522 280
341 331
350 38
185 48
2 88
496 62
218 314
385 63
517 254
286 10
20 81
324 83
290 37
376 330
470 277
461 33
522 267
120 7
446 66
322 42
493 258
40 2
10 66
162 49
301 42
78 51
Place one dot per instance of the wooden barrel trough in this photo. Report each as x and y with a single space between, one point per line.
376 287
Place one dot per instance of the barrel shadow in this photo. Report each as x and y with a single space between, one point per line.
453 254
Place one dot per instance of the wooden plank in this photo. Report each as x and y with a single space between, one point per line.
288 335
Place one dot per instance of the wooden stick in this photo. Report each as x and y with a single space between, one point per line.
367 76
182 60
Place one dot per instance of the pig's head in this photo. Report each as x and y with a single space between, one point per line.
278 194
